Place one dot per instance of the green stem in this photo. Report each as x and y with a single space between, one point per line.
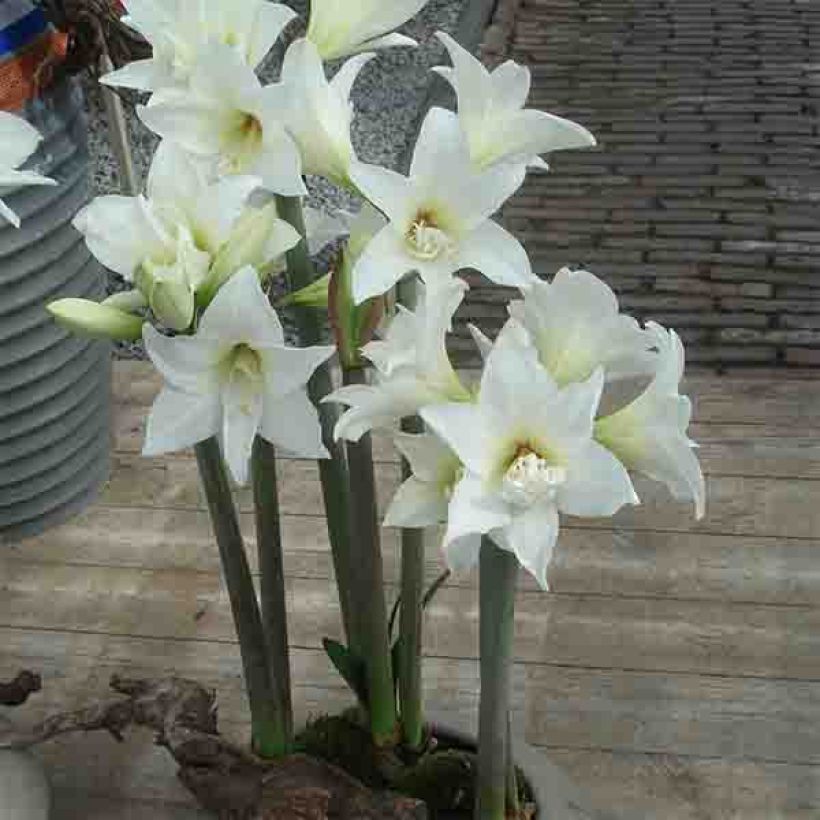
410 623
499 571
513 804
268 731
369 579
333 471
272 584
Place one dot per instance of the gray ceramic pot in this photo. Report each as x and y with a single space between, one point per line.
556 796
24 789
54 388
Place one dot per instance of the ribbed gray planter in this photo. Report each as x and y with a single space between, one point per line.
54 388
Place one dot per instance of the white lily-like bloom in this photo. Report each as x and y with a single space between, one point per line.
18 141
340 28
491 112
439 216
179 31
576 325
649 435
235 378
167 241
412 367
319 112
225 116
528 454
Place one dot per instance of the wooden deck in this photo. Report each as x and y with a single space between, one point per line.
674 670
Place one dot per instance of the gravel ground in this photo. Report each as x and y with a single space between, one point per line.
388 98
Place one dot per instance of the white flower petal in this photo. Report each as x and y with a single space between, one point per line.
382 263
473 511
240 312
289 369
122 232
292 422
18 140
464 428
497 254
531 535
185 362
427 455
241 419
416 504
597 484
179 420
388 190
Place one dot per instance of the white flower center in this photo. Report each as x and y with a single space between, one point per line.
242 140
427 241
530 479
244 372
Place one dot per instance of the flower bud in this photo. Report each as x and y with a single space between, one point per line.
315 295
100 321
259 239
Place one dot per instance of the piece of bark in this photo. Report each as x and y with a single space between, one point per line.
225 779
17 692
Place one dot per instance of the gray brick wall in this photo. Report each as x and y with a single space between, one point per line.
701 205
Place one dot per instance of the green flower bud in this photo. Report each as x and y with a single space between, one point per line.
99 321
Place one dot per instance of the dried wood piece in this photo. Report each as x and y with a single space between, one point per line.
17 692
225 779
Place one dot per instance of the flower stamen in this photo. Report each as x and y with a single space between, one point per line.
426 240
531 478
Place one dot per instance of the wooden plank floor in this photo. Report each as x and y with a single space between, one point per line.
674 670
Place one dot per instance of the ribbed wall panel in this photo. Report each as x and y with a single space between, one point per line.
54 387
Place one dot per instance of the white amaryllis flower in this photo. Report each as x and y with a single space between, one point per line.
18 141
235 378
340 28
491 112
576 325
528 455
649 435
439 216
167 241
412 367
227 117
180 31
319 113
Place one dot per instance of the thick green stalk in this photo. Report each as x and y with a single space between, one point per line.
268 730
333 471
410 622
272 582
499 571
369 585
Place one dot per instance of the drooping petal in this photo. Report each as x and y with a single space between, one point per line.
179 420
241 419
531 535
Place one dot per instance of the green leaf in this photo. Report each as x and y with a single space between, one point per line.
350 666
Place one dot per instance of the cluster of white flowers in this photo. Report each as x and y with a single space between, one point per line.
503 458
532 439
